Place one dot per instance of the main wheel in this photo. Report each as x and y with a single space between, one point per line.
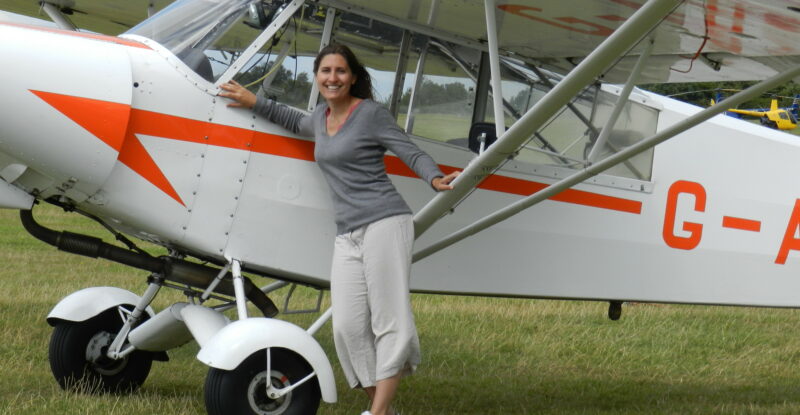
244 390
78 357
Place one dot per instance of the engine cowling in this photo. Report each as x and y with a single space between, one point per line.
66 99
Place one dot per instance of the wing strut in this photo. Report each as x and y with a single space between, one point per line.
673 130
59 19
619 42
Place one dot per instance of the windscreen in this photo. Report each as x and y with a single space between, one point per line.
194 31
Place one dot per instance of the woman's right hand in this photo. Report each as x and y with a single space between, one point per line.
239 94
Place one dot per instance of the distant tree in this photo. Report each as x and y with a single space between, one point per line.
433 93
521 100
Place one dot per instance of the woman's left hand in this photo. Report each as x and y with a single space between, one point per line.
443 183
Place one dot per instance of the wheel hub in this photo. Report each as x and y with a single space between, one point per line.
260 402
97 357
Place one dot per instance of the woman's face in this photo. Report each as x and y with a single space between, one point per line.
334 77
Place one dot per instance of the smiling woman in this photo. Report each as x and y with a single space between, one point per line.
374 331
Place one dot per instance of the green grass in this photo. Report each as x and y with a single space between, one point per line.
481 355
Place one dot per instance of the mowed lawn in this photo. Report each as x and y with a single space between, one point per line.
481 355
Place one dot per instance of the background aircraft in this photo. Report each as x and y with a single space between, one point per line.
133 135
772 117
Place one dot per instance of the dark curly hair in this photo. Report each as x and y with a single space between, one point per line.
363 86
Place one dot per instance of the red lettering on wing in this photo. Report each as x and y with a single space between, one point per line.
721 36
786 23
574 24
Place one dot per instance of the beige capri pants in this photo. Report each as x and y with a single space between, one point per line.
373 325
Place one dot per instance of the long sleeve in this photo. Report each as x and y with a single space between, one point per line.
290 118
352 161
393 138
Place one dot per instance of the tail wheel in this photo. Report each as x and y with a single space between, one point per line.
244 390
78 357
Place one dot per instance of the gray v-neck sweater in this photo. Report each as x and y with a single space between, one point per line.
352 159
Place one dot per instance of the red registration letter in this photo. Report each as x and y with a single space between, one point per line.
790 241
695 229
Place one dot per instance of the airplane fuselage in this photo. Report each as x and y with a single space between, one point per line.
129 133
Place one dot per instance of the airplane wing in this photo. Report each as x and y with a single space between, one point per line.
702 40
110 17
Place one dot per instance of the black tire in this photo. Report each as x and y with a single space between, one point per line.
75 371
242 391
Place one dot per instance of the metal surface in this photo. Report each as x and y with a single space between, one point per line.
203 322
163 332
131 318
319 322
238 286
59 19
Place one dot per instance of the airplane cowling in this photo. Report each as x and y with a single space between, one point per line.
65 101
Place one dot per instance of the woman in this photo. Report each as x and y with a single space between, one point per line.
373 325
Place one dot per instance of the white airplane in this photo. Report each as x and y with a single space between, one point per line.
581 197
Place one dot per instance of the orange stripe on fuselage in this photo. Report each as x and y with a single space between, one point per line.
167 126
84 35
103 119
522 187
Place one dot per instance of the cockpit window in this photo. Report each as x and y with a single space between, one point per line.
208 35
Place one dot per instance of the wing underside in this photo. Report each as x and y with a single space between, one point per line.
701 40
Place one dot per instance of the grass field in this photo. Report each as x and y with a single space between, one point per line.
481 355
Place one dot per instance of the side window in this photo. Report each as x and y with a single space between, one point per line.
566 140
219 55
442 107
283 68
635 123
375 44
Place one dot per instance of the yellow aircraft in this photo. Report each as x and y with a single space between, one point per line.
778 118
